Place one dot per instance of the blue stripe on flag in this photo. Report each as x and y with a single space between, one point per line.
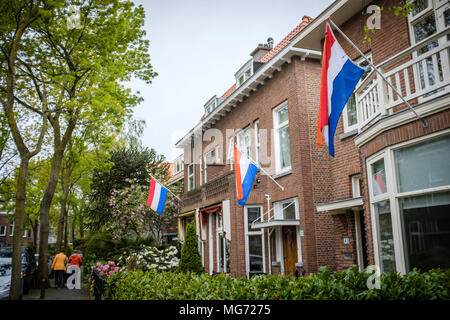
162 200
247 184
343 86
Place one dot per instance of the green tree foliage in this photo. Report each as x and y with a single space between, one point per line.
190 257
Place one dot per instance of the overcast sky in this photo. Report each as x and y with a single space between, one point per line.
196 46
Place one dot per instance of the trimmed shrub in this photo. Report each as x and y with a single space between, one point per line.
345 285
190 257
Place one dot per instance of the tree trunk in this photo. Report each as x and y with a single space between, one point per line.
73 228
44 212
18 229
35 232
66 231
59 236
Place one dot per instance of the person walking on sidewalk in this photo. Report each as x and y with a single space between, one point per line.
59 266
75 259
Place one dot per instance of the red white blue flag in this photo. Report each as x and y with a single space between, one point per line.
156 196
245 172
339 78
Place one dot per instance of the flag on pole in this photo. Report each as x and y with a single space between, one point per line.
245 172
339 78
156 196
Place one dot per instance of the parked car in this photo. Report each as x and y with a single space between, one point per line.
49 264
27 275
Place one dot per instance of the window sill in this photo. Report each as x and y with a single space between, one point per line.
348 134
282 174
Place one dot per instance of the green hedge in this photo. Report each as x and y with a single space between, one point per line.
346 285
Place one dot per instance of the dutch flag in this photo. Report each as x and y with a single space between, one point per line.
245 172
156 196
339 78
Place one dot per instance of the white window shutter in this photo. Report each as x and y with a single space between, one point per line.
226 219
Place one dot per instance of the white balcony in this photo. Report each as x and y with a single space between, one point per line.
419 77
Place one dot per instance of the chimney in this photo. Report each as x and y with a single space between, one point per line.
262 49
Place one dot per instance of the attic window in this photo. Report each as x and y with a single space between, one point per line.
244 73
209 107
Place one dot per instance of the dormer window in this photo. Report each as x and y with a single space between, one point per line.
211 105
244 73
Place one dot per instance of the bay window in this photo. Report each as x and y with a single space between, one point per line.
410 202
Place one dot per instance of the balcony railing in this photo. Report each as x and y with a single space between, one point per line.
210 192
421 76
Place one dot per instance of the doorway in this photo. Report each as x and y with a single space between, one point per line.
289 249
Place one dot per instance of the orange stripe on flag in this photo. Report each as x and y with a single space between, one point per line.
237 173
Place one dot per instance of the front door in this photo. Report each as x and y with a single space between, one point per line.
289 249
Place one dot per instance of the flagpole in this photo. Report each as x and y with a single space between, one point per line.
424 122
167 189
257 165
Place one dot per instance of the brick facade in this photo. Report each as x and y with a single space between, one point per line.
315 178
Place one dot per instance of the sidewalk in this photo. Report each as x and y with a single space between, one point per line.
59 294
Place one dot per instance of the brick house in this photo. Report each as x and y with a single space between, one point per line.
381 200
7 231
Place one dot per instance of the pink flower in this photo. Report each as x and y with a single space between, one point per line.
105 267
116 269
101 273
110 273
89 280
98 269
98 264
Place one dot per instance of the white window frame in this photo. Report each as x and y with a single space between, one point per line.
220 237
11 229
393 197
241 138
192 175
248 66
230 155
3 231
277 127
347 127
437 8
257 143
178 162
218 154
254 232
211 106
200 163
356 185
278 214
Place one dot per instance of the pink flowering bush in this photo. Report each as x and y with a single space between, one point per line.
106 270
131 217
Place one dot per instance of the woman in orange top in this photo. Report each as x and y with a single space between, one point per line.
59 266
